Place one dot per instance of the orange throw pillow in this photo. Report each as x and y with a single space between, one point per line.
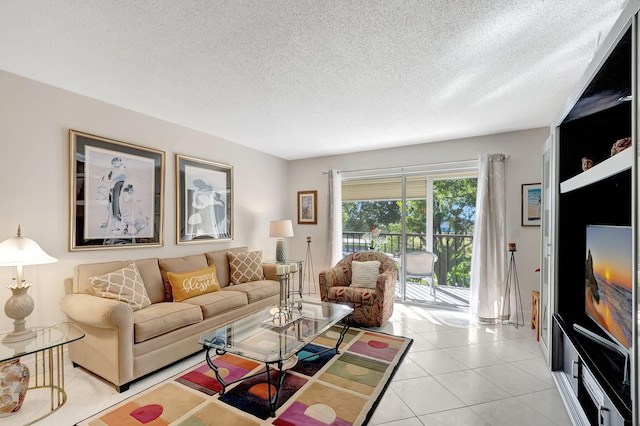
193 283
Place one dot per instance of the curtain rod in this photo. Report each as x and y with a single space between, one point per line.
406 168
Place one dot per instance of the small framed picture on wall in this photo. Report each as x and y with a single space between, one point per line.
531 204
307 207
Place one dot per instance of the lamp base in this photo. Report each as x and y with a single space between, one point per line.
19 336
18 307
281 251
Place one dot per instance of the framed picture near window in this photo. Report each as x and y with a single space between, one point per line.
116 193
531 204
204 194
307 207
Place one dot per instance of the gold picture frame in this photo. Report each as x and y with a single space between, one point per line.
307 207
204 201
116 193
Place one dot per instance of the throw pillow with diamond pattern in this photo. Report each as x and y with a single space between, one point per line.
124 285
245 267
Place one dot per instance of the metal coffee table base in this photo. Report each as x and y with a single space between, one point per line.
273 400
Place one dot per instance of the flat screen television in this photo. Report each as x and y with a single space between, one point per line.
608 279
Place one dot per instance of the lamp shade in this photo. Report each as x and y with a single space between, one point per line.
281 228
19 251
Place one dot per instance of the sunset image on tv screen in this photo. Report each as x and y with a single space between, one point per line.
608 279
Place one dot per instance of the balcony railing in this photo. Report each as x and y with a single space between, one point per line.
454 253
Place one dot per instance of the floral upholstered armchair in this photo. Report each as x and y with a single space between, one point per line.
369 290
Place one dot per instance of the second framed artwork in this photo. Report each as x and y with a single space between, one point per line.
204 201
531 204
307 207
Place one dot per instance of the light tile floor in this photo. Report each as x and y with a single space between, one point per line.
457 372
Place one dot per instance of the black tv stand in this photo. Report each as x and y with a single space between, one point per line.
609 344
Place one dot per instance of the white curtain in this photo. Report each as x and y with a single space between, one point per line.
489 256
335 217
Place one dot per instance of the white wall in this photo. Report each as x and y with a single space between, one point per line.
523 166
34 124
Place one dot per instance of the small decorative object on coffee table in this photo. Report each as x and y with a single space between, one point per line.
284 313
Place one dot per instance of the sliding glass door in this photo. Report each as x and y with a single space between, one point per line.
409 216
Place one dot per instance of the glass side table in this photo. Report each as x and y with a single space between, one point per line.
47 347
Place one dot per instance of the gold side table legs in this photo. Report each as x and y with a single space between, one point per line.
46 370
49 374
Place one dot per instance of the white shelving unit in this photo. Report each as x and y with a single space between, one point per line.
609 167
599 386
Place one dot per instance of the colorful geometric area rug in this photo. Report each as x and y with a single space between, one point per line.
327 389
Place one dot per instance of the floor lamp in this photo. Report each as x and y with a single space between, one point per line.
512 280
308 269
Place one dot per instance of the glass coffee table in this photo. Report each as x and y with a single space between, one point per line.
263 337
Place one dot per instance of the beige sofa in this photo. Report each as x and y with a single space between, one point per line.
122 344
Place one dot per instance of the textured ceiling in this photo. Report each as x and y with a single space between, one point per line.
306 78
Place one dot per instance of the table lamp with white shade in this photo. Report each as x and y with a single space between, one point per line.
20 251
281 229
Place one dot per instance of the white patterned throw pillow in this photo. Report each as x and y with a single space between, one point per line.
365 274
124 285
245 267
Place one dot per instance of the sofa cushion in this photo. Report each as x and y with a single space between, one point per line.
124 284
219 302
365 274
179 264
185 285
245 267
161 318
256 290
220 259
148 269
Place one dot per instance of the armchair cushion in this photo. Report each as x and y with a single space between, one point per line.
352 295
365 274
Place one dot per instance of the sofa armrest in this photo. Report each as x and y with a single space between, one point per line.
269 271
97 311
107 348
